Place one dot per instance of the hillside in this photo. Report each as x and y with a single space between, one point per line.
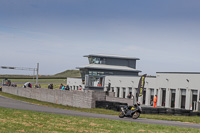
69 73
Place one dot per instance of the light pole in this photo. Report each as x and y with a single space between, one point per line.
26 69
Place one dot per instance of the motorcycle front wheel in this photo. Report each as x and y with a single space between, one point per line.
136 115
121 115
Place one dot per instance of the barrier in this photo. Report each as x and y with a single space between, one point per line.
82 99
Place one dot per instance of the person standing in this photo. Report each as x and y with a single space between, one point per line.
155 101
80 88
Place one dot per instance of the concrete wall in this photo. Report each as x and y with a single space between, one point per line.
83 99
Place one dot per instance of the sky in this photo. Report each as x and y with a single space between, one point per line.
165 35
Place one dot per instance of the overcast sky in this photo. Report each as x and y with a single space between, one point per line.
165 35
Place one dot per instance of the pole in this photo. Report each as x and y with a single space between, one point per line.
33 74
37 73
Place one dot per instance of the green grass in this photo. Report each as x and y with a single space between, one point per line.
93 110
40 80
191 119
69 73
17 121
45 85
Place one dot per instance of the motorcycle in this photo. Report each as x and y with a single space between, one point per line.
130 111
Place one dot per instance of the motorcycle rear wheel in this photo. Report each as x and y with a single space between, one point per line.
121 115
136 115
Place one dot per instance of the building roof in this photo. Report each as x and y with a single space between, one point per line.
108 67
111 56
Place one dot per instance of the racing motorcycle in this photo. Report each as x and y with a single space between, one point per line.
130 111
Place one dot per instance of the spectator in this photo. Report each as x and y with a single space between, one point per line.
129 96
99 85
36 86
68 88
61 86
80 88
50 86
29 85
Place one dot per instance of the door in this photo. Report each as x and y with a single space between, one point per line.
163 96
173 95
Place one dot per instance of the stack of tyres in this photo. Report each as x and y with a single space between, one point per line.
147 110
162 111
194 113
154 111
177 111
109 105
170 111
186 112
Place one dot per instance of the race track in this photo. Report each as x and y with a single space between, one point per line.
15 104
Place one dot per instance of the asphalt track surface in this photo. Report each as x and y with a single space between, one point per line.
16 104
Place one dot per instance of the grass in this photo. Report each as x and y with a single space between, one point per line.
43 85
40 80
190 119
93 110
17 121
64 74
69 73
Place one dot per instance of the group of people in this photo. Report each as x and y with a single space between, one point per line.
29 85
62 87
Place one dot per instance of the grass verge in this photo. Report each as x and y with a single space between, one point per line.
93 110
190 119
17 121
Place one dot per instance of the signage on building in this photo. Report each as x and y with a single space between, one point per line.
140 90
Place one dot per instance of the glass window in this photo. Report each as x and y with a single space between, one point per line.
96 60
96 81
95 73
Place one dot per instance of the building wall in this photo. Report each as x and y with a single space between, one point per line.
169 88
189 82
74 83
126 84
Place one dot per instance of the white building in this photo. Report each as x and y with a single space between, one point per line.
174 89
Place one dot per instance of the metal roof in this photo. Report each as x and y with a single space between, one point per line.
111 56
108 67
